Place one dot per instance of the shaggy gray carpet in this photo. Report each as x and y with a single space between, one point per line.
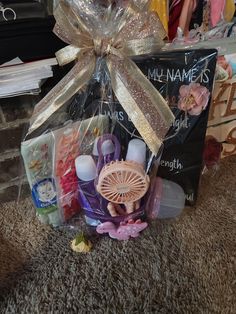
183 266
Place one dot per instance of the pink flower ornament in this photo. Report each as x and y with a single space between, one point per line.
193 98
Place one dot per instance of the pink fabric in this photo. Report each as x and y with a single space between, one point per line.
173 3
217 9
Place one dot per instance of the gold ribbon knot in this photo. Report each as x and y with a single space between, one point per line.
101 47
136 32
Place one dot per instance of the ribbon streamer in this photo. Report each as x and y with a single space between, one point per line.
136 32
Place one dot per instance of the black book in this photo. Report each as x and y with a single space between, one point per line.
29 39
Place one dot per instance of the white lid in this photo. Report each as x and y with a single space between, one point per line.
85 168
172 200
108 147
172 194
136 151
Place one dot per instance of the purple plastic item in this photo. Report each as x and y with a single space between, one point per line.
102 160
91 201
154 198
88 194
166 199
104 217
95 207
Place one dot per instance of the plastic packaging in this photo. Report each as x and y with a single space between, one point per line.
51 169
115 116
38 157
101 153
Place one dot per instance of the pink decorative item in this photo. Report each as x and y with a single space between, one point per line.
193 98
124 231
66 152
217 11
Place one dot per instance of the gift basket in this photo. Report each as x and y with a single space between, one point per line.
124 104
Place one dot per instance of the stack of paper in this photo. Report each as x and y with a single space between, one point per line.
18 78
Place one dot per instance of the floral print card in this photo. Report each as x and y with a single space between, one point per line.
185 79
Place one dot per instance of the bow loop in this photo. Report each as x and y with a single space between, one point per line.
114 34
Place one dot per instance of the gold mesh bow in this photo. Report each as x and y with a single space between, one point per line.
138 32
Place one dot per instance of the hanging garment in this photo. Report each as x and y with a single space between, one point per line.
229 10
197 17
217 10
189 7
175 11
206 17
161 7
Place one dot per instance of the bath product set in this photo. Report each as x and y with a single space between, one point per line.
49 160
